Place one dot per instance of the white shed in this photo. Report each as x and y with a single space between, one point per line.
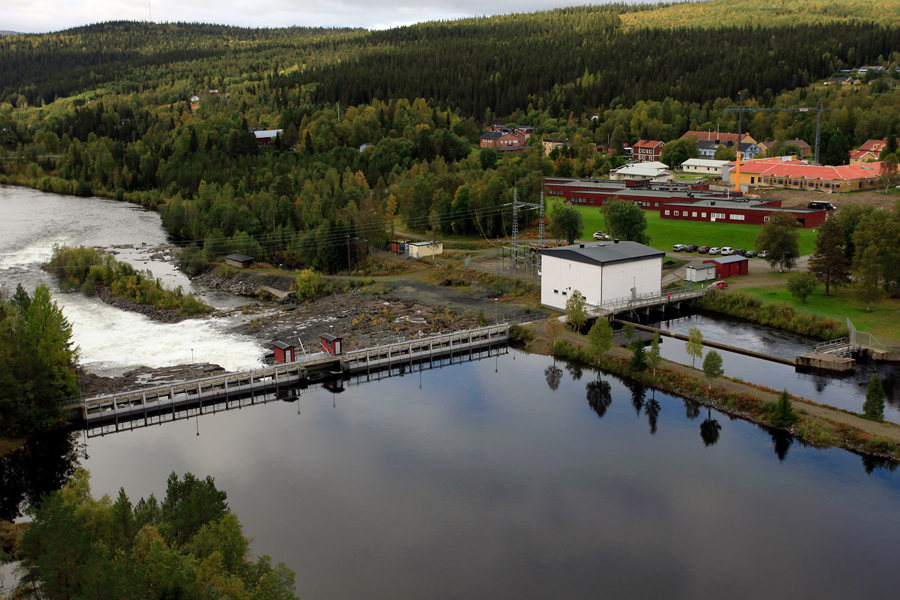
602 272
703 272
706 166
424 249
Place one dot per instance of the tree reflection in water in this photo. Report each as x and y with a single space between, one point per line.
637 396
574 370
782 441
709 430
553 374
652 408
39 467
598 396
691 409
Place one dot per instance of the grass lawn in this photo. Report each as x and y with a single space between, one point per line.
664 233
883 322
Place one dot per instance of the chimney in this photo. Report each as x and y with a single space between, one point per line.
616 240
581 245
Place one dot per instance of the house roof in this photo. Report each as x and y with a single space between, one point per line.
704 162
240 258
434 243
265 134
644 170
797 142
800 169
492 135
874 145
604 253
722 260
649 144
714 136
282 345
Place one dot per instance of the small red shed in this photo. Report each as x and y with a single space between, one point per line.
729 266
331 344
284 353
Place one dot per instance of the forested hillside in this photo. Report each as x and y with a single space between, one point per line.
384 125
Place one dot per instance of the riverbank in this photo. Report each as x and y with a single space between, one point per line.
818 425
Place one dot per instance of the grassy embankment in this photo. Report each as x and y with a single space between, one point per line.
883 321
817 424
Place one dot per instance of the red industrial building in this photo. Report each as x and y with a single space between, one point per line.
743 212
729 266
680 201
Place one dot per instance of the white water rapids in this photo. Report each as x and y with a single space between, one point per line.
112 341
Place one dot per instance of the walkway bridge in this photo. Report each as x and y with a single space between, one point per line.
669 298
156 404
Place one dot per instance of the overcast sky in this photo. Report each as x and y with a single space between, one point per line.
36 16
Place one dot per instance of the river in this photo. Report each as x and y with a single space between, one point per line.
484 480
111 340
508 477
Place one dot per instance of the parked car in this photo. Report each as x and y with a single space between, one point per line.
750 253
703 249
677 247
599 235
726 251
763 253
690 248
821 205
718 285
714 250
740 251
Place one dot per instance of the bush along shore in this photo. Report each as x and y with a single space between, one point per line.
779 316
816 424
120 284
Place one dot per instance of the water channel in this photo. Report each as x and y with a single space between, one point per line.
513 476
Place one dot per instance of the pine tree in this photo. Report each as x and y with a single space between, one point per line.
873 408
783 415
829 262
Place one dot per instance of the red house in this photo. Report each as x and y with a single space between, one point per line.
331 344
729 266
284 353
647 150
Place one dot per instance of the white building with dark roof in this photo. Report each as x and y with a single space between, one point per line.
602 272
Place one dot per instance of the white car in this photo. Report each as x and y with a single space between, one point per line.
599 235
714 250
726 250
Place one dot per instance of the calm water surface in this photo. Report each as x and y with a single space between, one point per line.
480 479
844 391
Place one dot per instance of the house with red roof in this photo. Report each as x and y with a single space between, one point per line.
785 172
647 150
868 152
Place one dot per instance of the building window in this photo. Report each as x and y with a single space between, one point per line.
766 219
676 213
555 291
703 215
694 214
734 217
667 212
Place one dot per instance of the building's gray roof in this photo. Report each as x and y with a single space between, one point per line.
604 253
265 134
742 205
492 135
281 345
733 258
240 258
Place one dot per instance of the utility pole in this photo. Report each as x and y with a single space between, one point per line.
348 251
541 221
818 130
515 224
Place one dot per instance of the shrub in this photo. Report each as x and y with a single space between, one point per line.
783 415
310 285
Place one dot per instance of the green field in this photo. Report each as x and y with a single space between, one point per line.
883 322
664 233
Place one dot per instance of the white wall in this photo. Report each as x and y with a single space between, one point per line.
560 277
566 276
619 278
426 251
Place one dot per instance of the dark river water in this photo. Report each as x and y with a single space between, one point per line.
481 480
